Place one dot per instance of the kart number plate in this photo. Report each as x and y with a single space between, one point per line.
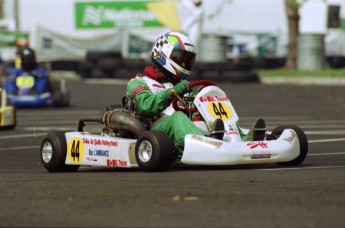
25 82
219 110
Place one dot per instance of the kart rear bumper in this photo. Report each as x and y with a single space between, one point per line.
201 150
7 117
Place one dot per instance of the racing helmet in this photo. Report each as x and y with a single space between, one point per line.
28 59
174 54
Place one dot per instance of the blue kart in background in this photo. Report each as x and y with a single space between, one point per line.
27 84
35 90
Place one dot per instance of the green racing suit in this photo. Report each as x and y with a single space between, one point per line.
152 97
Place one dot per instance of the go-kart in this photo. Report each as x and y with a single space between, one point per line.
7 112
127 141
29 90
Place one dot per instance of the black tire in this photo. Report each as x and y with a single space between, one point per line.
60 99
95 56
55 84
86 69
161 147
14 118
66 99
303 144
109 64
56 142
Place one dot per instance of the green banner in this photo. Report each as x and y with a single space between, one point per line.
90 15
9 39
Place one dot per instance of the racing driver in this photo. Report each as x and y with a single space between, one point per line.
29 66
173 56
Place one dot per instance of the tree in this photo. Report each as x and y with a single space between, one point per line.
291 9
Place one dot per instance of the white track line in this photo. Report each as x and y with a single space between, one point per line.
22 136
322 154
328 132
20 148
299 168
326 140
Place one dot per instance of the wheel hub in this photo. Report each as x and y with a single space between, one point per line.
145 151
47 152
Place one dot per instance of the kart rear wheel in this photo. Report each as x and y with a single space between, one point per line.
303 144
154 151
60 99
14 119
54 151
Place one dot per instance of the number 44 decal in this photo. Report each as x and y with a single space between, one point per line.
219 110
75 150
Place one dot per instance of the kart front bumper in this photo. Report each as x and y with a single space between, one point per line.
44 99
201 150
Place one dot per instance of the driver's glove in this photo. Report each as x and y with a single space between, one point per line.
182 87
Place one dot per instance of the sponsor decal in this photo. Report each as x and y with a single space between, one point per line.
158 86
116 163
216 145
291 138
25 82
138 89
260 156
75 150
91 159
103 142
116 14
99 153
231 131
253 145
213 99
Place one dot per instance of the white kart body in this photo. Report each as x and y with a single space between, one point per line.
213 103
98 150
200 150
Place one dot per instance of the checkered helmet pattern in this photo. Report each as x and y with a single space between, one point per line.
158 46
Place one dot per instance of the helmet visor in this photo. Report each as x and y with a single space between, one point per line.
183 58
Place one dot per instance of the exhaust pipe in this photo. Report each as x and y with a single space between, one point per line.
119 120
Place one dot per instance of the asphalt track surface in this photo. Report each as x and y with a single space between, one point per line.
310 195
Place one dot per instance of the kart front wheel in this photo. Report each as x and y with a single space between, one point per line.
154 151
54 151
303 144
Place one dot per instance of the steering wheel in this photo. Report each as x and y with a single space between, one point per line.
186 99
